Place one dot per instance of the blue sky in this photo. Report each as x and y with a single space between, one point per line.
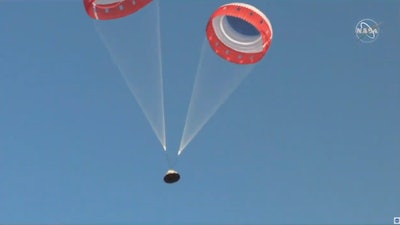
311 136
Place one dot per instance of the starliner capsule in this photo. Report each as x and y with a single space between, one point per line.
171 177
113 9
239 33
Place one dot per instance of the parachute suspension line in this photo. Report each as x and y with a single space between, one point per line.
139 64
171 162
186 138
216 79
164 140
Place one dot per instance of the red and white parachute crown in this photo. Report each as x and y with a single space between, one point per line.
113 9
230 46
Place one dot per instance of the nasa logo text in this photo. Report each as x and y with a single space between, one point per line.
367 30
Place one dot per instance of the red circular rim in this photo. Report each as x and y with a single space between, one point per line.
249 15
113 10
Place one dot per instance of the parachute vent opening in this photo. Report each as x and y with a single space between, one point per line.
238 34
121 7
242 26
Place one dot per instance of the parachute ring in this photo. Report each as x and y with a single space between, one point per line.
239 33
113 9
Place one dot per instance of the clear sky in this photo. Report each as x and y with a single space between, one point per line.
311 136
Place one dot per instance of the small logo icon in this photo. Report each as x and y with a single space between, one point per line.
396 220
367 30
